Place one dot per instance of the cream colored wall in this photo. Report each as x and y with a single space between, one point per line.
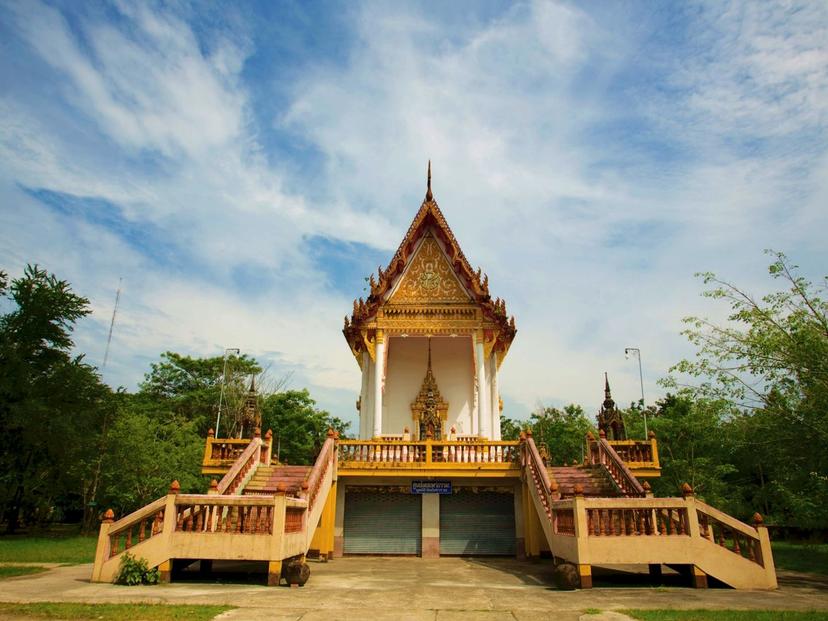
453 367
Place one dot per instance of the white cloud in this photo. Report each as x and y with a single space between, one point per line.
591 236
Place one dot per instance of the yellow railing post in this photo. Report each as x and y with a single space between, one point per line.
102 551
268 453
277 537
581 534
653 449
208 447
168 530
765 551
428 450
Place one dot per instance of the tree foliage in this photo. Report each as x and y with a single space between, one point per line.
49 400
768 363
70 447
299 428
563 431
190 388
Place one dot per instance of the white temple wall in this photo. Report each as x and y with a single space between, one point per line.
452 363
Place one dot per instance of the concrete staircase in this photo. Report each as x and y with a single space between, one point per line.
257 512
613 519
594 480
267 479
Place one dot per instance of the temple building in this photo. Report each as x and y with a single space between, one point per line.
429 474
429 325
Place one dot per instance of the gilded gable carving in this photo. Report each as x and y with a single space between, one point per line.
429 278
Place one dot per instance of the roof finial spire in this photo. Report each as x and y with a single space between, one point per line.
607 394
429 196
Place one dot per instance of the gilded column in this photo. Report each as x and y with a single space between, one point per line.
379 370
483 395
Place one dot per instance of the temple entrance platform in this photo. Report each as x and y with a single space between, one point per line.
381 588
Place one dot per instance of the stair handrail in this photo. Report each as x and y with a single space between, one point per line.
129 520
710 517
606 456
541 481
320 468
249 458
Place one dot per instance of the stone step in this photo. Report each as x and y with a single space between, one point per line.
594 480
267 479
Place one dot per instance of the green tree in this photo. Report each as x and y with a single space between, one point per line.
147 448
509 428
563 431
769 363
299 428
190 388
694 446
51 403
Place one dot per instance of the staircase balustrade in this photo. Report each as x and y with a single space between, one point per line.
729 533
600 452
137 527
563 518
634 451
655 517
250 515
242 468
539 475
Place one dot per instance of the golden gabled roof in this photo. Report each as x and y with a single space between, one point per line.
429 220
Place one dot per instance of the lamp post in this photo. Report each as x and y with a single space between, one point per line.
634 351
223 382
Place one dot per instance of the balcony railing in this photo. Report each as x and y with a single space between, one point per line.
427 454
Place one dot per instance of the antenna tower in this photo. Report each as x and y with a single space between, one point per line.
112 323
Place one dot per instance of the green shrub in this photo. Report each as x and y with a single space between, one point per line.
135 571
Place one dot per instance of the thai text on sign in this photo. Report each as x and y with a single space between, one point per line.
431 487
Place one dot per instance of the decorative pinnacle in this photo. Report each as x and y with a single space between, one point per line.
607 394
429 196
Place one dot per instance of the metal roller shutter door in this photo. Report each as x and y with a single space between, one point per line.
477 524
377 523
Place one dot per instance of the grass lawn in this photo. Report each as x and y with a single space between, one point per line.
71 550
727 615
133 612
10 571
811 558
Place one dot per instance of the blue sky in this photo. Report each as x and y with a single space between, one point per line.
243 166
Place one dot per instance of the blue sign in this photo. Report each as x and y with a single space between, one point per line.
431 487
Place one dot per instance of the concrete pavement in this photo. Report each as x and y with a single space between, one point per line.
402 589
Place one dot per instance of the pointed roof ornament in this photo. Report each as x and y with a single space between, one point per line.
429 195
607 394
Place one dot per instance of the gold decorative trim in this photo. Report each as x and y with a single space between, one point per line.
429 278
